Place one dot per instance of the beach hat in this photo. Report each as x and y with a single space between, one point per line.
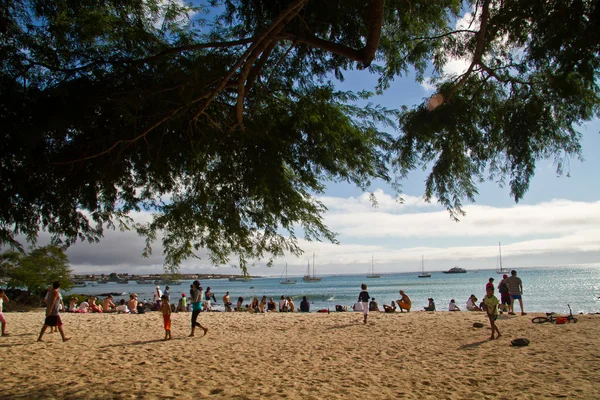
158 287
182 294
505 276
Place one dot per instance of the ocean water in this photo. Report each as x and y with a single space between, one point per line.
544 289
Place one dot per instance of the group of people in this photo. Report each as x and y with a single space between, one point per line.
285 304
89 305
510 289
366 303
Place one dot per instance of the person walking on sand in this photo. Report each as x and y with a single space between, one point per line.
404 303
165 309
52 316
515 288
3 298
363 297
491 307
196 300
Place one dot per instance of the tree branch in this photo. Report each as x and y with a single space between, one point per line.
197 46
443 35
439 98
374 22
291 11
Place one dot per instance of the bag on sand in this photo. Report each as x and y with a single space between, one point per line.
477 325
519 342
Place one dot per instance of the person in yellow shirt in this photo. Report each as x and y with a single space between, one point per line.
491 307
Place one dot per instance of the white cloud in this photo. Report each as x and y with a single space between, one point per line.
396 235
456 66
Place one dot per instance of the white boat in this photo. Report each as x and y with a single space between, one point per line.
286 281
372 273
307 277
499 268
455 270
423 274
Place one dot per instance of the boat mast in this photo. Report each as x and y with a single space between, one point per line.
500 256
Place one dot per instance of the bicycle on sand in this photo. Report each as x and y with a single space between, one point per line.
555 319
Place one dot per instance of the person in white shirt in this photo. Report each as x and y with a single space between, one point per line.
84 307
283 304
452 306
122 307
157 297
472 304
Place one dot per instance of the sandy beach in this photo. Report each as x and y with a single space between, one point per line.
413 355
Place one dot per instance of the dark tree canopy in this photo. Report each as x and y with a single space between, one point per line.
106 107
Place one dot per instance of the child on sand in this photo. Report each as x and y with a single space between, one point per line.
491 306
165 308
3 298
363 297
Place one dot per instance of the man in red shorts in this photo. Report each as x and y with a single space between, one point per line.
52 316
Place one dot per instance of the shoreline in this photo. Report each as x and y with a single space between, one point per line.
299 355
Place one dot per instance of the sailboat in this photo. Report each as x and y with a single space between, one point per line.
423 274
499 268
286 281
313 278
372 273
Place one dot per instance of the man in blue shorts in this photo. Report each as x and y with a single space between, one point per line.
515 289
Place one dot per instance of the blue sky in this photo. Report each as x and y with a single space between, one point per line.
556 223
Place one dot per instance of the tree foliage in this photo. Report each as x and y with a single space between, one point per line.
223 121
36 270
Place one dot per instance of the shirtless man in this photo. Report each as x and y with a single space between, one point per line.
404 302
52 317
133 302
108 305
227 302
